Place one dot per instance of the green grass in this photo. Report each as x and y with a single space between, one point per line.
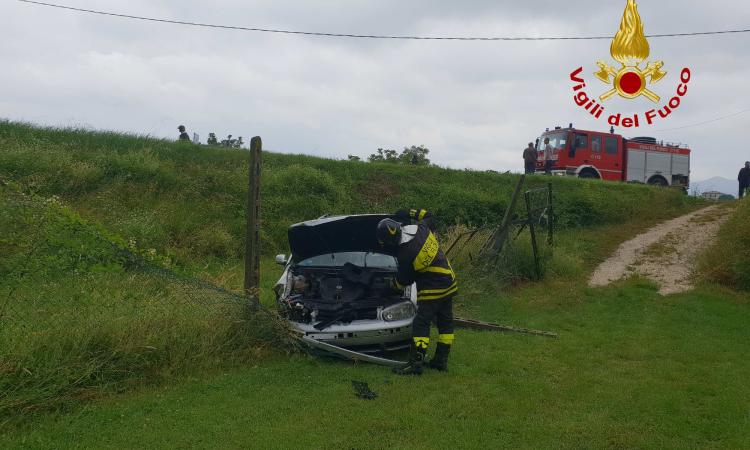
630 370
728 260
189 201
84 313
88 320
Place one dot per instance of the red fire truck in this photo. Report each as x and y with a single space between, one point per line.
609 156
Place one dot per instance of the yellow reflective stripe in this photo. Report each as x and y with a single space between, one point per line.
422 214
398 285
440 270
422 342
437 296
436 291
427 254
446 338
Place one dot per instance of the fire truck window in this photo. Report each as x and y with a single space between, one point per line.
558 141
596 144
611 146
582 141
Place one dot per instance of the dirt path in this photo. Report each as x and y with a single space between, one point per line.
665 253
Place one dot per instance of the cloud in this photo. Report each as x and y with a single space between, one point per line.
474 104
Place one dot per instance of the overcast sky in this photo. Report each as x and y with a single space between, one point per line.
474 104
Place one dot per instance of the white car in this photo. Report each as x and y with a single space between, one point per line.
337 286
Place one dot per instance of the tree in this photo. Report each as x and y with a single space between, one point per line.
386 155
415 156
212 139
354 158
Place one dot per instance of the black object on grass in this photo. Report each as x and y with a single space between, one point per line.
362 390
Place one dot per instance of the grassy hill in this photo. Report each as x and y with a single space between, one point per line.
103 232
190 200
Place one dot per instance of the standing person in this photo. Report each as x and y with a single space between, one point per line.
744 178
183 134
529 159
421 261
549 153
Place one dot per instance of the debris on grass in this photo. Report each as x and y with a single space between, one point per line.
363 391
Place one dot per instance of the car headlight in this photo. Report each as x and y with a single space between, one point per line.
400 311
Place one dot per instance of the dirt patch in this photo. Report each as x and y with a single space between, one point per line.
666 253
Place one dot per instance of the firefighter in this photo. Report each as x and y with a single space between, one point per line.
421 260
744 178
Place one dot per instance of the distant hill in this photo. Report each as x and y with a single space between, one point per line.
720 184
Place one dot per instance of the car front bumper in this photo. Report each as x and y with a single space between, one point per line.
363 335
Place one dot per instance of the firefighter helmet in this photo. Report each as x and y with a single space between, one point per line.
389 233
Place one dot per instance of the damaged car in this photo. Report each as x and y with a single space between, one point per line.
337 286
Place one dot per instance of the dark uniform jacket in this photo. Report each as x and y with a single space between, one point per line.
529 155
744 176
421 260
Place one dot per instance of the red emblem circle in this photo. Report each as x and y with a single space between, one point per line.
630 83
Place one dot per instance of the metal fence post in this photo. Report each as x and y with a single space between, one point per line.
550 217
532 229
495 244
252 241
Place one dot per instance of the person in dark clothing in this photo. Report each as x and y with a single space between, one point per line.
529 159
183 135
421 261
744 178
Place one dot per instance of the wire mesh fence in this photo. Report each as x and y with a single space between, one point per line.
505 248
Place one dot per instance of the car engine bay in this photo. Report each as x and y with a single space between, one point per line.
327 295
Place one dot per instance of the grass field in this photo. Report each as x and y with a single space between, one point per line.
630 370
106 235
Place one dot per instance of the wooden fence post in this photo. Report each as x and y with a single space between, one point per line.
252 241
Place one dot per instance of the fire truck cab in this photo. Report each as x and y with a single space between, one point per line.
609 156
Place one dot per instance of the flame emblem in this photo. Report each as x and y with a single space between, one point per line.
630 48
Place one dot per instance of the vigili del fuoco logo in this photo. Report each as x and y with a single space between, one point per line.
634 79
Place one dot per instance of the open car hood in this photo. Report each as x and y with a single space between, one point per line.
335 235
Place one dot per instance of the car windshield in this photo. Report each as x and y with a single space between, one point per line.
362 259
558 141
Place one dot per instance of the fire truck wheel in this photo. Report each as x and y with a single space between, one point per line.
658 181
588 174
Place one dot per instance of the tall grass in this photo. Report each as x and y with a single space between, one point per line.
189 201
727 262
83 314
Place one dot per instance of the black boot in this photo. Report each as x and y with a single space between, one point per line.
415 364
440 360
